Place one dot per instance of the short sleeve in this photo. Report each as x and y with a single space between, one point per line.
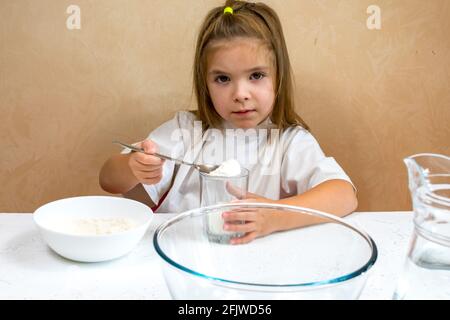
171 139
305 165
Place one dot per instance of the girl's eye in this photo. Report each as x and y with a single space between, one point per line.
222 79
257 76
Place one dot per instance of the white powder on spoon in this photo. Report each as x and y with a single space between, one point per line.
229 168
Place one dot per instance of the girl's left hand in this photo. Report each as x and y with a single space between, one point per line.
257 222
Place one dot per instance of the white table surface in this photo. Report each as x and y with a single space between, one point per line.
29 269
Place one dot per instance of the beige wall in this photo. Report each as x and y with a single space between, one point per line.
370 97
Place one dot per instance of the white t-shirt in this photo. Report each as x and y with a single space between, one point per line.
291 164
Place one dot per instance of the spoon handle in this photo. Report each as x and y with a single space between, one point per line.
161 156
177 161
133 148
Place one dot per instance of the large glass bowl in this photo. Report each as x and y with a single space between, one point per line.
327 260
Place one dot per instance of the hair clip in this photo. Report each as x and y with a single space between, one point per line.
228 10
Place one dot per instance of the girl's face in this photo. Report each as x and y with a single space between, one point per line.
240 79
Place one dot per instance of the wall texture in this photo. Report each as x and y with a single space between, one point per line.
371 97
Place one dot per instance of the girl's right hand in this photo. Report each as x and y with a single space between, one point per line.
146 168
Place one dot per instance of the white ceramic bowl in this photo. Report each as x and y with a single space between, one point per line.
92 247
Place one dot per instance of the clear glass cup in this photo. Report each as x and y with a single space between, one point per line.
219 190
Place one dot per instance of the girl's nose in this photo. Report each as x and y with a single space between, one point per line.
241 93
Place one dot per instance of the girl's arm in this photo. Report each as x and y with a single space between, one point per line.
123 173
116 175
332 196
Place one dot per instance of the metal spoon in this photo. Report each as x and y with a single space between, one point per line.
206 168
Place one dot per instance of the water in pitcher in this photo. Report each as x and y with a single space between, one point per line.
426 273
423 279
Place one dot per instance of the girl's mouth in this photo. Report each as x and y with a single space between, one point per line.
243 112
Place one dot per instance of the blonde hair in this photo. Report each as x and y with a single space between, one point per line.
252 20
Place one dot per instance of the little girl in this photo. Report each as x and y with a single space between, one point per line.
244 91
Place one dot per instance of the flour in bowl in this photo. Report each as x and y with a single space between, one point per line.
94 226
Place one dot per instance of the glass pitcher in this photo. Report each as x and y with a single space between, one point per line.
426 273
